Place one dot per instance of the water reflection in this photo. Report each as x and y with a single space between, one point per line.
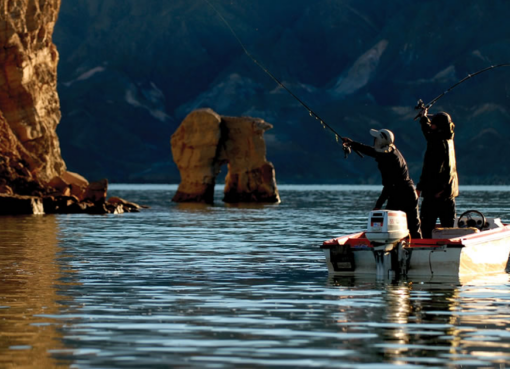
193 207
197 286
250 205
30 280
454 321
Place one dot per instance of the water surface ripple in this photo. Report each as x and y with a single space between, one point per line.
235 286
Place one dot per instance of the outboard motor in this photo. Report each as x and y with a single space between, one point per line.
387 232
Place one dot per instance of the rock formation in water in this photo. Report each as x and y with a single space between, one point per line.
205 141
33 175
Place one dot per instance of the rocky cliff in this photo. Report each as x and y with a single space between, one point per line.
29 102
33 175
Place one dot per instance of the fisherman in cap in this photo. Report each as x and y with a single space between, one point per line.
398 187
439 184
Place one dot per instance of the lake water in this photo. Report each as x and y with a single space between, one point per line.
234 286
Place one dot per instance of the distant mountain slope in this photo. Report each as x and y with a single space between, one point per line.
130 71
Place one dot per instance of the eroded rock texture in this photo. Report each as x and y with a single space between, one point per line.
15 174
33 175
28 83
205 141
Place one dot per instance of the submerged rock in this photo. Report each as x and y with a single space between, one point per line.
205 141
15 204
90 199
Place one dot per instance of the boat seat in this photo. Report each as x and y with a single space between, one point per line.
453 232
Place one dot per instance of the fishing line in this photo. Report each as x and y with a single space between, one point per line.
310 111
422 106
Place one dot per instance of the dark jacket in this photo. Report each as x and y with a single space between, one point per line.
439 174
394 173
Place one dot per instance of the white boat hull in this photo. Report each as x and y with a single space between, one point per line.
480 253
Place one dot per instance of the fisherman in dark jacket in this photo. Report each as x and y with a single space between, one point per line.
398 187
438 183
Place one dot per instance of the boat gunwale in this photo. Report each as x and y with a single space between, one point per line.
357 241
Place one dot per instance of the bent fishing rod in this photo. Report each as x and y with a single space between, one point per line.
421 106
347 149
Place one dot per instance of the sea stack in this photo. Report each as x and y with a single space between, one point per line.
205 141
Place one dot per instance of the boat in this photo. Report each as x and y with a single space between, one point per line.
475 245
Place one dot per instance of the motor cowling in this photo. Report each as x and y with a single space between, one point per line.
386 226
387 231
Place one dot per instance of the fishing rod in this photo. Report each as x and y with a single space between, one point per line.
347 149
420 105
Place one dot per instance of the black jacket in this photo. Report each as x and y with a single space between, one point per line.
394 173
439 174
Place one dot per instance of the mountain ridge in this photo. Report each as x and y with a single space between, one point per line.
149 64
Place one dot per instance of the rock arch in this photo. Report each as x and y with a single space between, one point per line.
205 141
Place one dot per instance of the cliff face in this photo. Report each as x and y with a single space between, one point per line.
33 175
29 103
15 176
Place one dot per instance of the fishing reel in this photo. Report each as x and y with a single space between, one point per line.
420 105
347 150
